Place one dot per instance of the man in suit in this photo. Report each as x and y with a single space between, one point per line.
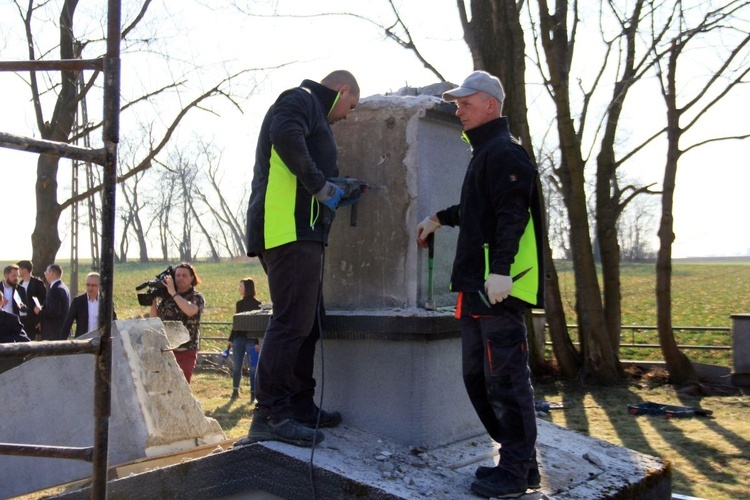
30 288
11 299
52 314
84 309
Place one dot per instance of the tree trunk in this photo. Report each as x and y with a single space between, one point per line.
599 363
568 358
45 239
679 366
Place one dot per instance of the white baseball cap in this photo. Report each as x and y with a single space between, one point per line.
478 81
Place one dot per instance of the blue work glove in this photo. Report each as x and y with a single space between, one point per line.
330 195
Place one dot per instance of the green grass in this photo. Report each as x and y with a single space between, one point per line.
704 293
710 456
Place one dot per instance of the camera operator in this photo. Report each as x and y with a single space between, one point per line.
183 303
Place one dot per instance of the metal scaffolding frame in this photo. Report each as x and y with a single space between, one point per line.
106 157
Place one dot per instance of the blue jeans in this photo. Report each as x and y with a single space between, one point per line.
240 346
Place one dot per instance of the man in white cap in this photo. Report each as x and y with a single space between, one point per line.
497 273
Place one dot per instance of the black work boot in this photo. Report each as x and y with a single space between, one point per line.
327 419
235 395
500 484
285 430
533 478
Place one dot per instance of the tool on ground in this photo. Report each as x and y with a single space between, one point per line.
668 411
430 304
353 190
546 406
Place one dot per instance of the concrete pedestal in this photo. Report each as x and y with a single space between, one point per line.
50 401
395 373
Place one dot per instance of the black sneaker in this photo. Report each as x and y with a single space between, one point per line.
285 430
533 478
327 419
500 484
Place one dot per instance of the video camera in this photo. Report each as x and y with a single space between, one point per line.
156 288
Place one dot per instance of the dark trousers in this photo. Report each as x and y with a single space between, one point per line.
496 374
284 377
29 326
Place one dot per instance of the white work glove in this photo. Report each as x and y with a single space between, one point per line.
424 229
498 287
330 195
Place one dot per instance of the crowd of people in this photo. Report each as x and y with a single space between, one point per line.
39 311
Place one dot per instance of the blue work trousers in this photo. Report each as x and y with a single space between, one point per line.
496 374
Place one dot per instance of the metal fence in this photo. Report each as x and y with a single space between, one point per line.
632 331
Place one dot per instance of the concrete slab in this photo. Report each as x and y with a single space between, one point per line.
351 463
49 401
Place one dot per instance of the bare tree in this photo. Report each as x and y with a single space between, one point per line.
634 227
717 28
59 124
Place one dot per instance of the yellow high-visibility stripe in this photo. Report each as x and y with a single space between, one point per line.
279 226
526 286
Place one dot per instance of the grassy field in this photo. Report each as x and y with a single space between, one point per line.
705 293
710 456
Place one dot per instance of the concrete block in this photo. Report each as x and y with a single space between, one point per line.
50 401
411 148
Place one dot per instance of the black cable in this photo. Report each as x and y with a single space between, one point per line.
322 368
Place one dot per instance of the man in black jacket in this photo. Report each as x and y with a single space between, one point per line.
497 272
52 313
84 310
291 208
30 288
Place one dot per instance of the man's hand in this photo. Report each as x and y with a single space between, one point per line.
425 228
169 283
498 287
330 195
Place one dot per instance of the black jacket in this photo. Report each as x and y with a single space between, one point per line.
36 289
79 312
296 153
246 304
54 311
498 197
11 329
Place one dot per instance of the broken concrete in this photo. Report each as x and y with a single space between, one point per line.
49 401
351 463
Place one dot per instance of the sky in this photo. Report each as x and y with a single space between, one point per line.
711 195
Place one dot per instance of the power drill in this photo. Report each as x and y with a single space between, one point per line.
353 189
